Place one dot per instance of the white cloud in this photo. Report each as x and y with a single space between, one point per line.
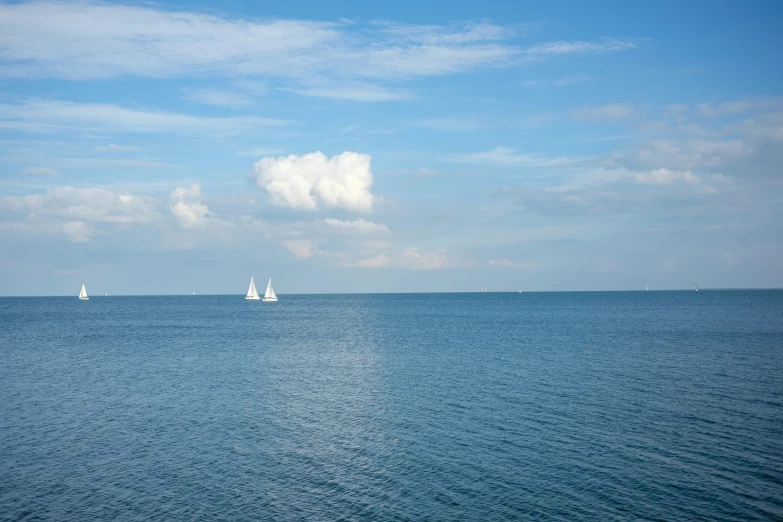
604 113
54 115
40 171
359 226
87 204
301 248
86 40
74 212
78 231
111 147
311 181
427 173
186 206
665 177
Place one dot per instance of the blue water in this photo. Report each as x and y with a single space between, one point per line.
533 406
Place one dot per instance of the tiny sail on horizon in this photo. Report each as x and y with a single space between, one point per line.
695 287
270 294
252 293
83 294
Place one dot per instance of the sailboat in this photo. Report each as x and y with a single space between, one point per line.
648 288
695 287
270 294
83 294
252 293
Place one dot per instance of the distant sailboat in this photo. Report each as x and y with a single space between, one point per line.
270 294
695 287
251 292
648 288
83 294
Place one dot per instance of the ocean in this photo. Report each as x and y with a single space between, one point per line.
497 406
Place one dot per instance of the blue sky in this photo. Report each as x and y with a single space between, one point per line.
164 148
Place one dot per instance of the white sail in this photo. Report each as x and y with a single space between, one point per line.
251 292
83 294
270 294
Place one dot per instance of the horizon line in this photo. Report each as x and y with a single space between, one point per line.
424 293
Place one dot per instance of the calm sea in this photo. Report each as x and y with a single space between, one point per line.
555 406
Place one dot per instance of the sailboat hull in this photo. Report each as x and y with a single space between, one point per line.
252 298
84 299
269 299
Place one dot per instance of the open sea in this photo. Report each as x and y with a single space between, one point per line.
533 406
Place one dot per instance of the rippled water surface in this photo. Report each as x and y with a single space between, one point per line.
562 406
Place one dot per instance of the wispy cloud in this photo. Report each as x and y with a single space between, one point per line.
406 259
605 45
561 82
665 177
349 128
614 112
446 34
450 124
301 248
226 99
40 171
76 40
606 138
507 263
359 226
105 162
111 147
358 92
37 115
262 151
507 156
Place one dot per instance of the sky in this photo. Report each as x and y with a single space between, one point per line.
178 147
